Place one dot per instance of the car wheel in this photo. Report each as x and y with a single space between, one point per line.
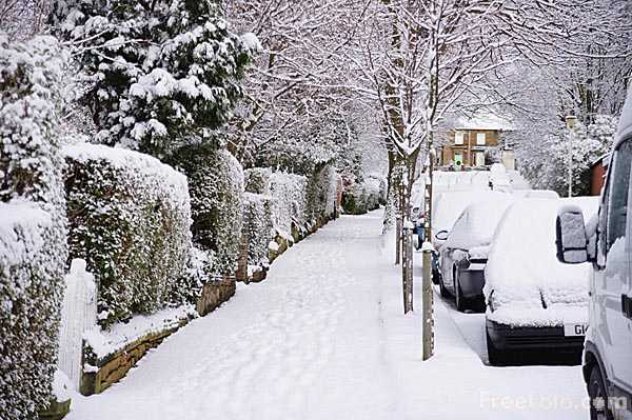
495 356
459 300
599 409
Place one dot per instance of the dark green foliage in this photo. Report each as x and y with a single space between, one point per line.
160 71
216 186
129 219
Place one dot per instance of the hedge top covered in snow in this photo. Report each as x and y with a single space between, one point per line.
141 163
525 282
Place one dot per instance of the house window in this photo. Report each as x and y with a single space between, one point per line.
458 159
480 159
480 139
458 137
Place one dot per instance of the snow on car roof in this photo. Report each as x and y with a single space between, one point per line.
523 269
450 205
476 225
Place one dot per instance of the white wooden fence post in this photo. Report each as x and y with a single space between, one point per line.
79 314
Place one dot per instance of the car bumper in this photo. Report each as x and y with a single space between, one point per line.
506 337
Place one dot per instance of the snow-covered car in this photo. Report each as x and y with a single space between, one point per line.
534 302
449 206
605 243
464 254
536 194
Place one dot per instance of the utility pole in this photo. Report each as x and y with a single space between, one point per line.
571 121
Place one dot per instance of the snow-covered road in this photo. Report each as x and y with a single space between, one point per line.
323 337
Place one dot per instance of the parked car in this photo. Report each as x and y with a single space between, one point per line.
536 194
534 302
446 209
605 242
464 253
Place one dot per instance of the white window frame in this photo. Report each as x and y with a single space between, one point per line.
481 139
459 138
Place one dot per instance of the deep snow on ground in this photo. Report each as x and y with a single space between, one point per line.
324 337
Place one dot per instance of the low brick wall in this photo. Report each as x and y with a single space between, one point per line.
112 368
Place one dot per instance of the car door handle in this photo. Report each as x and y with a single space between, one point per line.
626 306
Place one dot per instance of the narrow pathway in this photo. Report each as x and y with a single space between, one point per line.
324 338
305 343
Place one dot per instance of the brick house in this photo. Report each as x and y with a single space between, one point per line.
476 141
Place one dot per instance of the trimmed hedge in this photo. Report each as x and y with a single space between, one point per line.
216 184
130 219
33 249
30 298
362 198
258 227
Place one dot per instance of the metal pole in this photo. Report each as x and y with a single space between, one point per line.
570 163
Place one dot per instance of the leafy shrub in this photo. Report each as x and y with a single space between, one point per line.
258 226
32 236
130 219
321 193
362 198
30 298
216 183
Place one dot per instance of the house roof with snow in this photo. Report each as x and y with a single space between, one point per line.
484 122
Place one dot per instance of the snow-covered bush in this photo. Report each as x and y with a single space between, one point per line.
290 192
321 193
383 187
130 219
257 180
31 275
160 72
362 197
258 226
31 288
216 183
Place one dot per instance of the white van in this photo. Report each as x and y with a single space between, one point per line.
607 243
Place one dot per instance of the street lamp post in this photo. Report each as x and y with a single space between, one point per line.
571 121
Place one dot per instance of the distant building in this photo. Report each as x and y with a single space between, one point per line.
477 142
598 172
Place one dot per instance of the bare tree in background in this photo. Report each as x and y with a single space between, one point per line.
21 19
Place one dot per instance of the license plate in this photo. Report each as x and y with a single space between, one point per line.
575 330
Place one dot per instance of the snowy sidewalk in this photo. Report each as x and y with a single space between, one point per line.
323 337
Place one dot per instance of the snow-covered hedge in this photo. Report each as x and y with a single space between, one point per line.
31 290
362 197
289 192
321 193
33 248
383 187
130 219
258 226
216 183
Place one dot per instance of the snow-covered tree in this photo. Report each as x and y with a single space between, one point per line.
155 73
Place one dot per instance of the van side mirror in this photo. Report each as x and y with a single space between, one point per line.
571 237
442 235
